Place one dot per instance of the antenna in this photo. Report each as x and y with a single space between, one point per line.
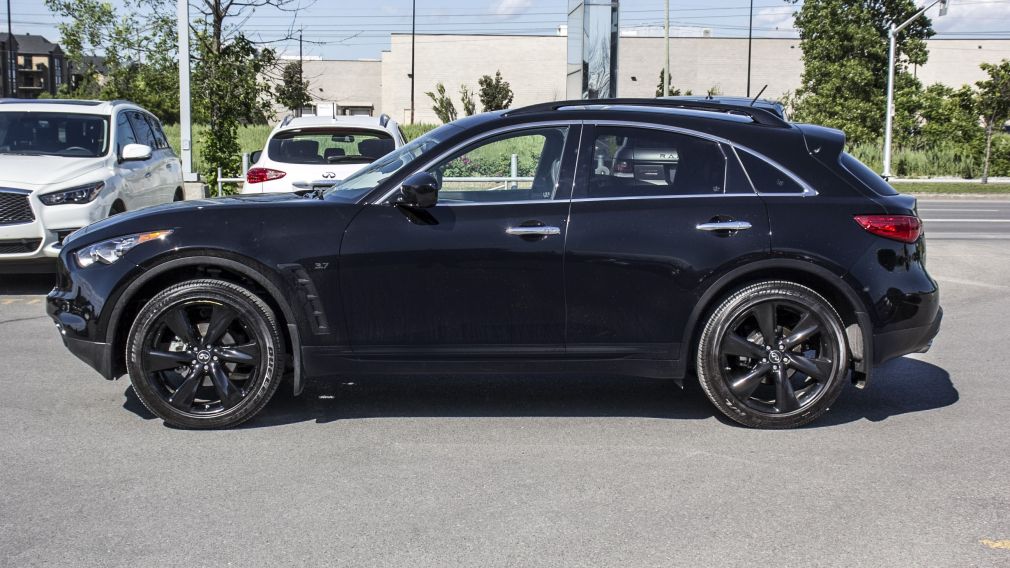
761 92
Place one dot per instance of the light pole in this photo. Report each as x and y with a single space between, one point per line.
185 122
413 30
892 36
12 56
750 40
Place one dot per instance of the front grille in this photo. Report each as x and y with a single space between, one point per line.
14 208
19 246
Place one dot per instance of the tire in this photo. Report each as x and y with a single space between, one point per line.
786 381
205 354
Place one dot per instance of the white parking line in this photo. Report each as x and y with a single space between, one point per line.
930 210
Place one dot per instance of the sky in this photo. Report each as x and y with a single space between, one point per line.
342 29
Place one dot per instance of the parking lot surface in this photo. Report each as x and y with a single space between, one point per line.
518 471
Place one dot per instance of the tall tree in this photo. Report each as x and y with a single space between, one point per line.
293 92
994 103
495 93
845 56
673 92
466 96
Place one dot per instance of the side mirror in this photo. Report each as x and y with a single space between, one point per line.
255 156
136 152
419 190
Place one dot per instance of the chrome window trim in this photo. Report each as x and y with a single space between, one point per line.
483 135
807 190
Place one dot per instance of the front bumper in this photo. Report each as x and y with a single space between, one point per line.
96 354
40 239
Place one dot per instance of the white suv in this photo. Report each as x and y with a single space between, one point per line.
65 164
316 152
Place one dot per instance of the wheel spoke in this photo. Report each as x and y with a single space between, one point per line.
246 353
229 393
806 328
764 313
155 360
785 397
733 344
178 321
184 395
818 369
220 318
746 384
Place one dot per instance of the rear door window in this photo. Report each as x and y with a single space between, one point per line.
143 130
639 162
329 146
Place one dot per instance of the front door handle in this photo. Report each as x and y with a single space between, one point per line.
724 226
539 231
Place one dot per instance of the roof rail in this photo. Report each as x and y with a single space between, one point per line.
758 115
287 120
383 120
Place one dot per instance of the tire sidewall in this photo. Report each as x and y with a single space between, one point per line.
262 325
710 372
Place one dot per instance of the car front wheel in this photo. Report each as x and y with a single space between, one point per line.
773 355
205 354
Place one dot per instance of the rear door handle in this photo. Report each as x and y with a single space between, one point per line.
724 226
533 231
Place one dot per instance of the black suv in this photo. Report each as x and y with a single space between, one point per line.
637 237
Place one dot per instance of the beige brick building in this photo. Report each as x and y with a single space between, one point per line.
535 68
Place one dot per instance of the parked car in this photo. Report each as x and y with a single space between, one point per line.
65 164
313 152
753 252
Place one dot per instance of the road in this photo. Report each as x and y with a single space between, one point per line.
965 219
519 471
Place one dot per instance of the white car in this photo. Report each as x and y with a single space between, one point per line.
65 164
312 152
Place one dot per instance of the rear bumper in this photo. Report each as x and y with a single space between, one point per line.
887 346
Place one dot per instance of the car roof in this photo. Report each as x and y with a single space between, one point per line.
355 121
76 106
767 104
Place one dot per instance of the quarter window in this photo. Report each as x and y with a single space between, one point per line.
637 162
518 166
766 177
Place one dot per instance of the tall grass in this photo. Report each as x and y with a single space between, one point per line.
947 160
250 139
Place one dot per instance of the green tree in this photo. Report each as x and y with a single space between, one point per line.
994 103
845 62
466 96
495 93
139 49
947 116
672 91
444 108
293 92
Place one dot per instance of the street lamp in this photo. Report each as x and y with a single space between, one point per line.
892 35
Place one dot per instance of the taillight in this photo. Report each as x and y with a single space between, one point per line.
904 228
260 175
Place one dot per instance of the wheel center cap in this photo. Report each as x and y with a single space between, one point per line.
203 356
775 357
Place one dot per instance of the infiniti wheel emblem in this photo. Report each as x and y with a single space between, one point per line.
775 357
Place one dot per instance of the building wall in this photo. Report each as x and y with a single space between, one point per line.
535 68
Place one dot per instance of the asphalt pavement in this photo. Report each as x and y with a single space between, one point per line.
965 218
520 471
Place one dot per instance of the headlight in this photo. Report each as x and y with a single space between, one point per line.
112 250
79 194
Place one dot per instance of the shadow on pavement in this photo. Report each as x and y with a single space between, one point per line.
900 387
26 284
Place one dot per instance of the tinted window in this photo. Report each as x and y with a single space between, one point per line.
329 146
630 162
159 134
124 132
142 130
864 174
53 134
518 166
766 177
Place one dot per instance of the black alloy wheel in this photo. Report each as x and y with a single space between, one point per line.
773 355
205 354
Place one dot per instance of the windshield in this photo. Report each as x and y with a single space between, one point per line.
329 146
54 134
384 168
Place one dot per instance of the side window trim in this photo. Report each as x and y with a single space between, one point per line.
575 129
123 117
807 190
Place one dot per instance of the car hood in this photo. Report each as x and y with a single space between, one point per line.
38 172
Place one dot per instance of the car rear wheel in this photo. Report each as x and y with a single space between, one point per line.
773 355
205 354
